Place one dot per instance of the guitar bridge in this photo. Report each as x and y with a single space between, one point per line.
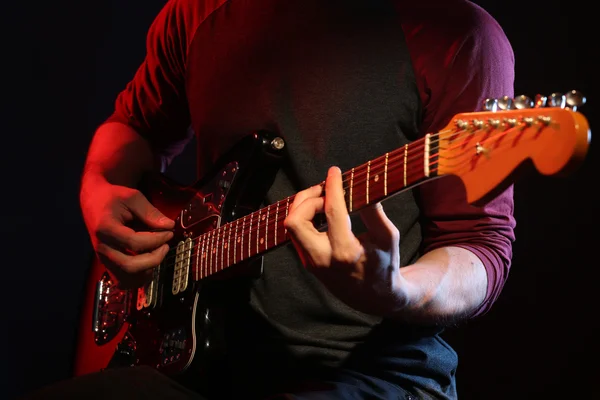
110 309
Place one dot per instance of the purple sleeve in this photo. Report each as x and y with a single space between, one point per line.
475 62
154 103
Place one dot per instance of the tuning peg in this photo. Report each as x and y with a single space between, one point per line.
522 102
506 103
574 99
490 105
540 101
557 100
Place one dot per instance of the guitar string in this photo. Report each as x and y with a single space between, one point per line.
376 163
218 235
220 232
360 172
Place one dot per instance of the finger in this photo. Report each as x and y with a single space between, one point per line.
311 192
381 229
312 246
299 223
147 213
122 237
336 212
132 264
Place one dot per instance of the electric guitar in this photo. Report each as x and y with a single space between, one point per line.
222 231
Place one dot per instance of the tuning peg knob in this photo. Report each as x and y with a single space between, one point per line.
540 101
557 100
574 99
490 105
506 103
522 102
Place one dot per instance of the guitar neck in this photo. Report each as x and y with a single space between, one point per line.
481 148
263 230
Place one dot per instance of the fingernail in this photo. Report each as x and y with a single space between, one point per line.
166 221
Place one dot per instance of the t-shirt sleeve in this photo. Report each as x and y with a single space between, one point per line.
154 102
477 64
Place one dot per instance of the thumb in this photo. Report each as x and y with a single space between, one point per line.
381 229
148 214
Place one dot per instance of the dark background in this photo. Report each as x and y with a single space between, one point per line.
65 61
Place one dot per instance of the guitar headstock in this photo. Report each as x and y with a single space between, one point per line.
484 148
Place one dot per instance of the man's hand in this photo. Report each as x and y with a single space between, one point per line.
363 272
129 255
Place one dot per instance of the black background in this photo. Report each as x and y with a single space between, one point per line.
65 61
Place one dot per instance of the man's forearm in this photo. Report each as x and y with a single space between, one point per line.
117 155
447 284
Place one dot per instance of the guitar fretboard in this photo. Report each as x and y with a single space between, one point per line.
263 230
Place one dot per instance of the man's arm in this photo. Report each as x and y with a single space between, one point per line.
151 113
467 249
148 128
117 155
447 284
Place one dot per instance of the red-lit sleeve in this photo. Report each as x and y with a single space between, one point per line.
154 102
467 67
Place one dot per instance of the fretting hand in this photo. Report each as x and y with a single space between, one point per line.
361 271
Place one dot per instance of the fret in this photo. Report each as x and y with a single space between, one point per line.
405 162
276 218
209 252
211 248
287 209
203 268
267 228
214 253
216 250
250 237
368 178
242 238
197 257
258 230
222 240
351 189
426 155
385 173
228 244
236 241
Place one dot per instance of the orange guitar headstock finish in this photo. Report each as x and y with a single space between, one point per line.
484 148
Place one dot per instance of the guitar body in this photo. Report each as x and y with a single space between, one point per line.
173 323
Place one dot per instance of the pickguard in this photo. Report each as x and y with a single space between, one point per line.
208 202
